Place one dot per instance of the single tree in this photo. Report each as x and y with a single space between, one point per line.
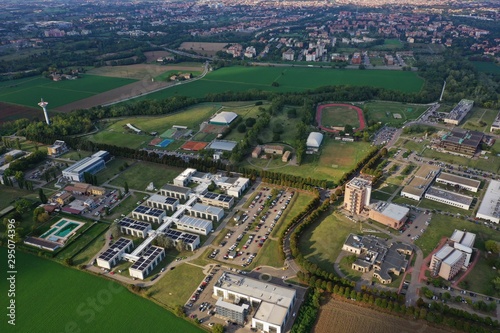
42 196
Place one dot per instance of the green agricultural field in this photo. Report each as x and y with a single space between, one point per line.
176 287
53 298
290 79
339 116
139 175
487 67
166 75
380 111
322 242
29 91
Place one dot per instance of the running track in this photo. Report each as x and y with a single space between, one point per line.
319 111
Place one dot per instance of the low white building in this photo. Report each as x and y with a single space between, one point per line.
179 192
162 202
147 262
134 228
114 253
148 214
489 209
454 180
194 224
206 212
314 140
449 198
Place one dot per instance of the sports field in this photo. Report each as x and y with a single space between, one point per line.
53 298
29 91
290 79
122 138
387 112
339 116
139 175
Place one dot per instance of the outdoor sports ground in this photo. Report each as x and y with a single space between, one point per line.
290 79
339 115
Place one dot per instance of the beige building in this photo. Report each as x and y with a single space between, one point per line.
447 262
357 195
419 183
389 214
286 156
276 150
256 152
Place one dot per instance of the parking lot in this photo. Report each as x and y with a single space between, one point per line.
416 225
384 135
243 241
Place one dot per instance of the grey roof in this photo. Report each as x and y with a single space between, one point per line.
440 193
223 145
490 206
207 209
178 189
195 222
162 199
392 211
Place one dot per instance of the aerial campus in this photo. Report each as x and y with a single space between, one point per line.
250 166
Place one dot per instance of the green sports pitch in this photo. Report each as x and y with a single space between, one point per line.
52 298
290 79
29 91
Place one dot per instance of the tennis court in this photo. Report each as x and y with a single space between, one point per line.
155 141
169 133
164 143
194 145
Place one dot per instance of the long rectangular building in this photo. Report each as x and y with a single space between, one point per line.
419 183
489 209
191 241
389 214
206 212
459 112
219 200
114 253
461 142
147 262
162 202
133 227
179 192
92 164
194 224
462 182
495 126
148 214
449 198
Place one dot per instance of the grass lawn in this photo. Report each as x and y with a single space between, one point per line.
290 79
443 226
89 252
486 67
139 175
377 195
121 138
67 305
492 164
176 287
384 111
82 241
268 256
10 194
28 91
430 204
112 169
339 116
322 242
299 201
479 279
76 155
334 160
478 115
126 206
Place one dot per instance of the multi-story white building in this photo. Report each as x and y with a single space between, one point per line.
272 303
162 202
133 227
148 214
462 182
147 262
114 253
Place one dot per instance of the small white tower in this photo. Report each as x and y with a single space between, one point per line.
43 105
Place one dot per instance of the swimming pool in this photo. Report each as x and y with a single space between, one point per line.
164 143
64 231
48 233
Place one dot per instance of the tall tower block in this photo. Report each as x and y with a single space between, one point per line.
43 105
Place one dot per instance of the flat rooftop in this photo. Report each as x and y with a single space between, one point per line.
392 211
421 180
262 290
444 252
271 313
490 206
452 196
197 207
359 183
162 199
448 177
177 189
464 238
